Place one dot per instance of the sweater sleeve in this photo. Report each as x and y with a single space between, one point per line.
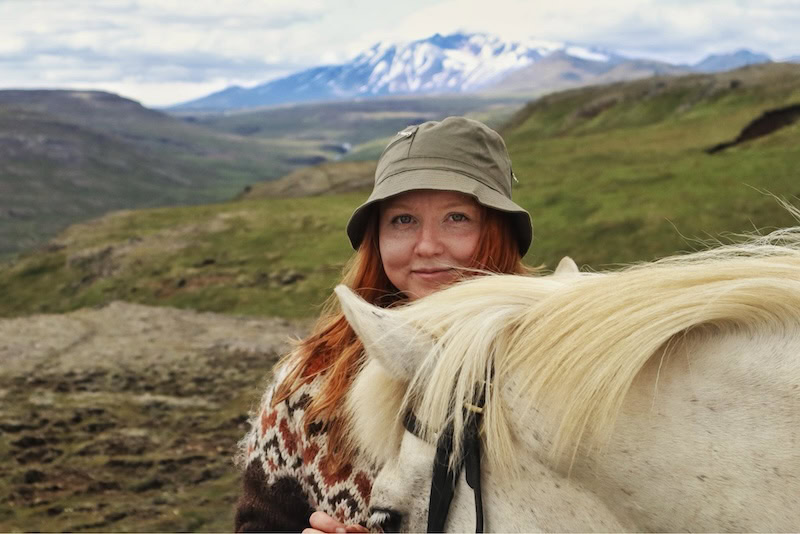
289 472
278 507
274 497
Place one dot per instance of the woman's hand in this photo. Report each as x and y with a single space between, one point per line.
322 522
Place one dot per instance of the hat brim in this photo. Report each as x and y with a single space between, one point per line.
440 180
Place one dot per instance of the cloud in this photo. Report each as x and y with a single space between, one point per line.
141 66
230 27
146 42
184 44
673 30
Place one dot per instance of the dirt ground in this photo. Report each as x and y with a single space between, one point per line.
126 418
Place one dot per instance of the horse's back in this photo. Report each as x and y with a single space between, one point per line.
708 436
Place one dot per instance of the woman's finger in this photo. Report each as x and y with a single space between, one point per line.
325 523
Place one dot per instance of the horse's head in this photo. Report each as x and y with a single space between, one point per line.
394 350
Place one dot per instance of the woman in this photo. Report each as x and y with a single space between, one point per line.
440 209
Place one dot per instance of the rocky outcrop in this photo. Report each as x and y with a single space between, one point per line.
332 177
770 121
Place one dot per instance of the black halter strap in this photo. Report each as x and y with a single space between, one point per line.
444 478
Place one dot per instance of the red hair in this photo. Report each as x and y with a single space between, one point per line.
333 348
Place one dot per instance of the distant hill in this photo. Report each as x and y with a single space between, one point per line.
734 60
354 129
611 174
560 71
67 156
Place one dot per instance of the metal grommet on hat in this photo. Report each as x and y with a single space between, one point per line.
456 154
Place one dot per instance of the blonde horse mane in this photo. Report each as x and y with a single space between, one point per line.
575 344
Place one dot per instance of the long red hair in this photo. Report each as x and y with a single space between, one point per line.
333 348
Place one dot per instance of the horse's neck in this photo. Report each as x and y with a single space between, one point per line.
707 439
539 499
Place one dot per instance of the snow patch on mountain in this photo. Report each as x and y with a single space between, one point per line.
586 53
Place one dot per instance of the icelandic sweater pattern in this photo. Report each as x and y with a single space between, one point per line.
289 473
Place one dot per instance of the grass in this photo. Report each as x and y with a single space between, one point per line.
235 256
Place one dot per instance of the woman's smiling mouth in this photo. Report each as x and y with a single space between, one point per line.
432 274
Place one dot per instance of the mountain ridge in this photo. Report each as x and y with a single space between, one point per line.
734 60
457 63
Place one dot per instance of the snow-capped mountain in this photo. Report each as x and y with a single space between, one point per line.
454 63
459 63
440 64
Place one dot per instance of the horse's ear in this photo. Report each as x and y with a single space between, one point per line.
566 266
388 338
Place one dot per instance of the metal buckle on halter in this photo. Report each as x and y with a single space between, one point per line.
472 408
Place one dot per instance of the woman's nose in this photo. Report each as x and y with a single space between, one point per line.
429 242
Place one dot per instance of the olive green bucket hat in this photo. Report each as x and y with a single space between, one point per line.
456 154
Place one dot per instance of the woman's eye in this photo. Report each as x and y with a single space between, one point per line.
458 217
402 219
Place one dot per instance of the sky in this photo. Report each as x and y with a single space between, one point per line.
162 52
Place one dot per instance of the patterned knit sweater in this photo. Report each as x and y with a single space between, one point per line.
288 473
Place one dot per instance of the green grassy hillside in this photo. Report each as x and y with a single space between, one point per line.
611 174
324 179
620 173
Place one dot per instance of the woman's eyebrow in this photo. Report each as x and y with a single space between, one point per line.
448 206
398 206
460 205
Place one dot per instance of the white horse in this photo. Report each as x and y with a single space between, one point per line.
663 397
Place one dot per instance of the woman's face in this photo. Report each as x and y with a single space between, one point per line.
424 236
